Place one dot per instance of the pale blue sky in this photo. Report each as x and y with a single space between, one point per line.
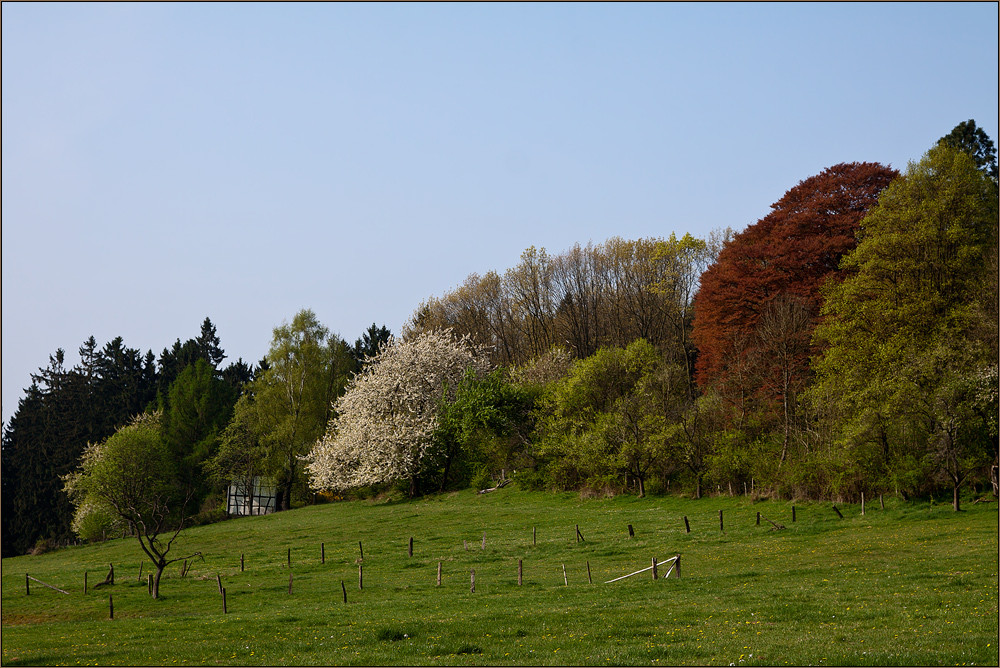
163 163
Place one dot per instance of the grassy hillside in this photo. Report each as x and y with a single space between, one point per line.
911 584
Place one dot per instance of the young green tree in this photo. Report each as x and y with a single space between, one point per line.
307 369
132 476
900 329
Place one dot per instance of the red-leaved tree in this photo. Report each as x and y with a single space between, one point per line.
758 303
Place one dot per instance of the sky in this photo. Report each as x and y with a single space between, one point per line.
163 163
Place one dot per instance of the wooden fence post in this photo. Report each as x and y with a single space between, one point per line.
85 582
839 514
758 518
687 527
289 583
654 568
27 585
360 581
322 553
520 571
111 607
472 587
466 544
862 503
579 536
411 546
631 531
111 574
439 574
344 589
720 522
241 563
589 579
565 580
360 549
218 580
677 566
534 536
289 557
793 513
225 610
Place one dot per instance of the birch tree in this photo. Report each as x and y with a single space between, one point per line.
384 425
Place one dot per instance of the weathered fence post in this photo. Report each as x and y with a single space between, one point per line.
289 557
520 571
85 582
589 579
439 574
361 550
565 580
289 583
111 607
631 531
360 581
322 553
654 568
720 522
344 589
225 610
472 586
687 527
758 518
862 503
677 566
27 585
534 536
411 546
241 563
218 580
839 514
579 536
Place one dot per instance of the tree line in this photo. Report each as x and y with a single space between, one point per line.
844 343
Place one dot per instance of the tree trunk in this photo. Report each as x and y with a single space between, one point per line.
414 487
160 566
642 487
956 503
697 492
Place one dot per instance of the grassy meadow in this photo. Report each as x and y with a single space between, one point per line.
914 584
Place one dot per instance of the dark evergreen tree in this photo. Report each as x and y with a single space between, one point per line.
974 141
369 343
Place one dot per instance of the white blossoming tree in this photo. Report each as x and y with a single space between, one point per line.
384 425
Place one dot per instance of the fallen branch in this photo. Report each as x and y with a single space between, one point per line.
503 483
46 584
776 525
647 568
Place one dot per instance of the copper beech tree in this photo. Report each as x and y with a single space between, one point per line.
758 303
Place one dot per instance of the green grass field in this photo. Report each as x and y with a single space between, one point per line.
914 584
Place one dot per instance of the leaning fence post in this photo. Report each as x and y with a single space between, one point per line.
839 514
589 579
687 527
